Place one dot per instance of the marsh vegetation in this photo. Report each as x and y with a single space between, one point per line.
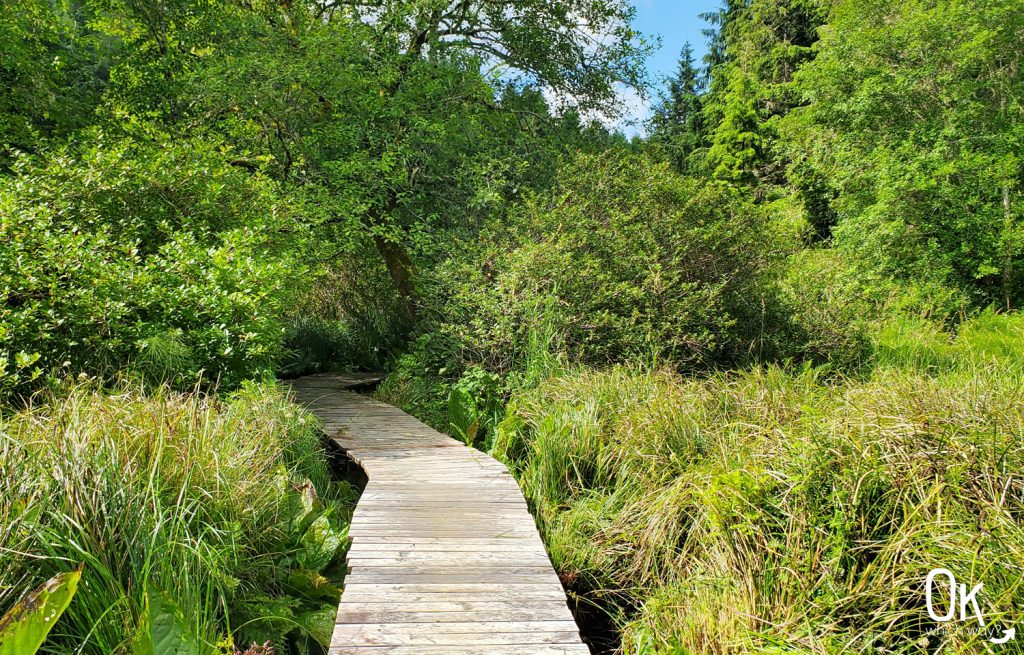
757 366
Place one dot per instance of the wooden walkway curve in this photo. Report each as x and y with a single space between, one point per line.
445 557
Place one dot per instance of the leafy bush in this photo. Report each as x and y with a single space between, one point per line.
214 520
829 313
348 317
770 511
314 345
637 260
49 75
988 339
154 251
421 378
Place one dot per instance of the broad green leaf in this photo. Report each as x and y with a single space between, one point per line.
319 544
262 618
318 623
24 628
300 506
463 415
313 586
163 629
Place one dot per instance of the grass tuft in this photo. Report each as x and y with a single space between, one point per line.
224 507
781 510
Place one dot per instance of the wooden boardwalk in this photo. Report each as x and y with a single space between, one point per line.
445 556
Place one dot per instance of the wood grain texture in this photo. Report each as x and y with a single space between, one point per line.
445 556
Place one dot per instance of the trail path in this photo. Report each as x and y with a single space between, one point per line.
445 556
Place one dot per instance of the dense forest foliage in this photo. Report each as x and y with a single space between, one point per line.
757 369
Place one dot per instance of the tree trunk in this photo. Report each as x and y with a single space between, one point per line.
400 268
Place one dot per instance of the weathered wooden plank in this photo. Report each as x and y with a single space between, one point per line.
383 616
445 557
462 628
362 524
422 528
439 494
484 569
496 542
441 605
470 590
385 577
414 507
476 633
439 529
511 549
492 649
405 558
423 637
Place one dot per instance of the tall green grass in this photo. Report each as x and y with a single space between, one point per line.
782 510
223 510
989 340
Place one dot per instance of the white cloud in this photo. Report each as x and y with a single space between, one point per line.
634 109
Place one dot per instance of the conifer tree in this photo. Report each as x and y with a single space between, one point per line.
738 143
677 125
720 24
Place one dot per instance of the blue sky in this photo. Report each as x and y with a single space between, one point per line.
676 22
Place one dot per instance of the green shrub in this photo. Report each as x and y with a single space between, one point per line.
842 315
989 339
431 382
638 262
475 407
830 315
347 317
156 252
219 512
421 378
925 192
992 337
313 345
164 358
